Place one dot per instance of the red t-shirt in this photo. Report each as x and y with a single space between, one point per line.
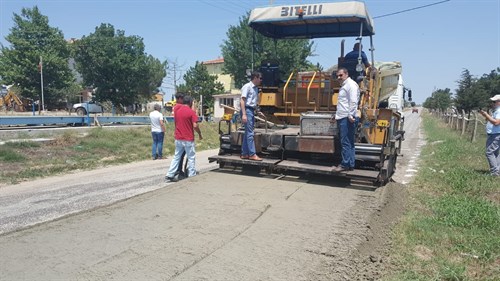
176 107
184 118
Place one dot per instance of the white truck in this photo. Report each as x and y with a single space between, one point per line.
396 100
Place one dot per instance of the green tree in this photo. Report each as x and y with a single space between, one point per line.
487 86
156 71
116 66
199 82
32 37
440 99
237 52
466 96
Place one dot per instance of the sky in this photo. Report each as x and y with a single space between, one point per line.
434 44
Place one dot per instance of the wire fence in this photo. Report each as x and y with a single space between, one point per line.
468 125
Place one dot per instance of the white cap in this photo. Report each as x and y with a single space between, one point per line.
495 98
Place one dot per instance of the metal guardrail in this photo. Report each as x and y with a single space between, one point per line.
71 120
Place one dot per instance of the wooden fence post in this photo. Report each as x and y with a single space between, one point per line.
475 128
463 122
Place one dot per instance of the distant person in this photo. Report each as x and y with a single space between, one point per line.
186 122
493 140
346 118
157 132
248 103
354 54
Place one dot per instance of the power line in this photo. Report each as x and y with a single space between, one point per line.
407 10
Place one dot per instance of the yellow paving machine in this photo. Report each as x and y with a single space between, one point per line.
297 134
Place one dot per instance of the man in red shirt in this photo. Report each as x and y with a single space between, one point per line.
186 122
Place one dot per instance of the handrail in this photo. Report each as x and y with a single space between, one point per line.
309 86
286 85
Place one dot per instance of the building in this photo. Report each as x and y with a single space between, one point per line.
231 95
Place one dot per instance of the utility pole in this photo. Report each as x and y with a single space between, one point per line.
41 80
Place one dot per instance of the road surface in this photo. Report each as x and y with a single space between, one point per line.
215 226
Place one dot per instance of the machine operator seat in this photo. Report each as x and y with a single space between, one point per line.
270 73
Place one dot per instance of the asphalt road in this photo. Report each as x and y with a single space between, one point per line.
215 226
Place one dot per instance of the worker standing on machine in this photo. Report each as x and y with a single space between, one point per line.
248 103
345 116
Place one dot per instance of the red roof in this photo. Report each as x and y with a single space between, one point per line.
215 61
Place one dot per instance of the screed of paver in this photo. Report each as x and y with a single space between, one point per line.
214 226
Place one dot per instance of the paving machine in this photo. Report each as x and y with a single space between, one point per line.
296 132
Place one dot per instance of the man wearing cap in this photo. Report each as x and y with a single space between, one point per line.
493 140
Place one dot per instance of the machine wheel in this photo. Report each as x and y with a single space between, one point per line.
81 111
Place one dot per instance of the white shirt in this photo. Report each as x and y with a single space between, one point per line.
155 117
348 99
251 93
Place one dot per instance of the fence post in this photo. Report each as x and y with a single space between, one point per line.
463 122
475 127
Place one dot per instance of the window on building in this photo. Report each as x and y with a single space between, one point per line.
227 101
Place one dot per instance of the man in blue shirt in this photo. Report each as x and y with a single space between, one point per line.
493 140
249 101
354 54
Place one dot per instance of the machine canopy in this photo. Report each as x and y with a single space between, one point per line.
342 19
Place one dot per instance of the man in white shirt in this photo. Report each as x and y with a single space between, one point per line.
249 101
346 118
157 132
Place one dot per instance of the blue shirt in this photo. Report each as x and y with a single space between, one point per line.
353 55
490 128
251 93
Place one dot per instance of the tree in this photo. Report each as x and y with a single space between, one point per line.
156 71
466 98
32 37
116 66
440 99
237 52
199 82
486 87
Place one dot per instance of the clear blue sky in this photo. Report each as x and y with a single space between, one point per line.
434 44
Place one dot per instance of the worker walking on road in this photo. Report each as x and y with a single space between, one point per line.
157 132
248 104
186 122
493 140
346 118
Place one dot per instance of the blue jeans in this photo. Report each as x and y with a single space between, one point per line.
493 153
157 150
346 130
248 145
180 147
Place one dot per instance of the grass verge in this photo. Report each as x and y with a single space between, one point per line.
101 147
451 229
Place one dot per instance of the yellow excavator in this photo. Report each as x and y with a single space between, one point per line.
10 100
